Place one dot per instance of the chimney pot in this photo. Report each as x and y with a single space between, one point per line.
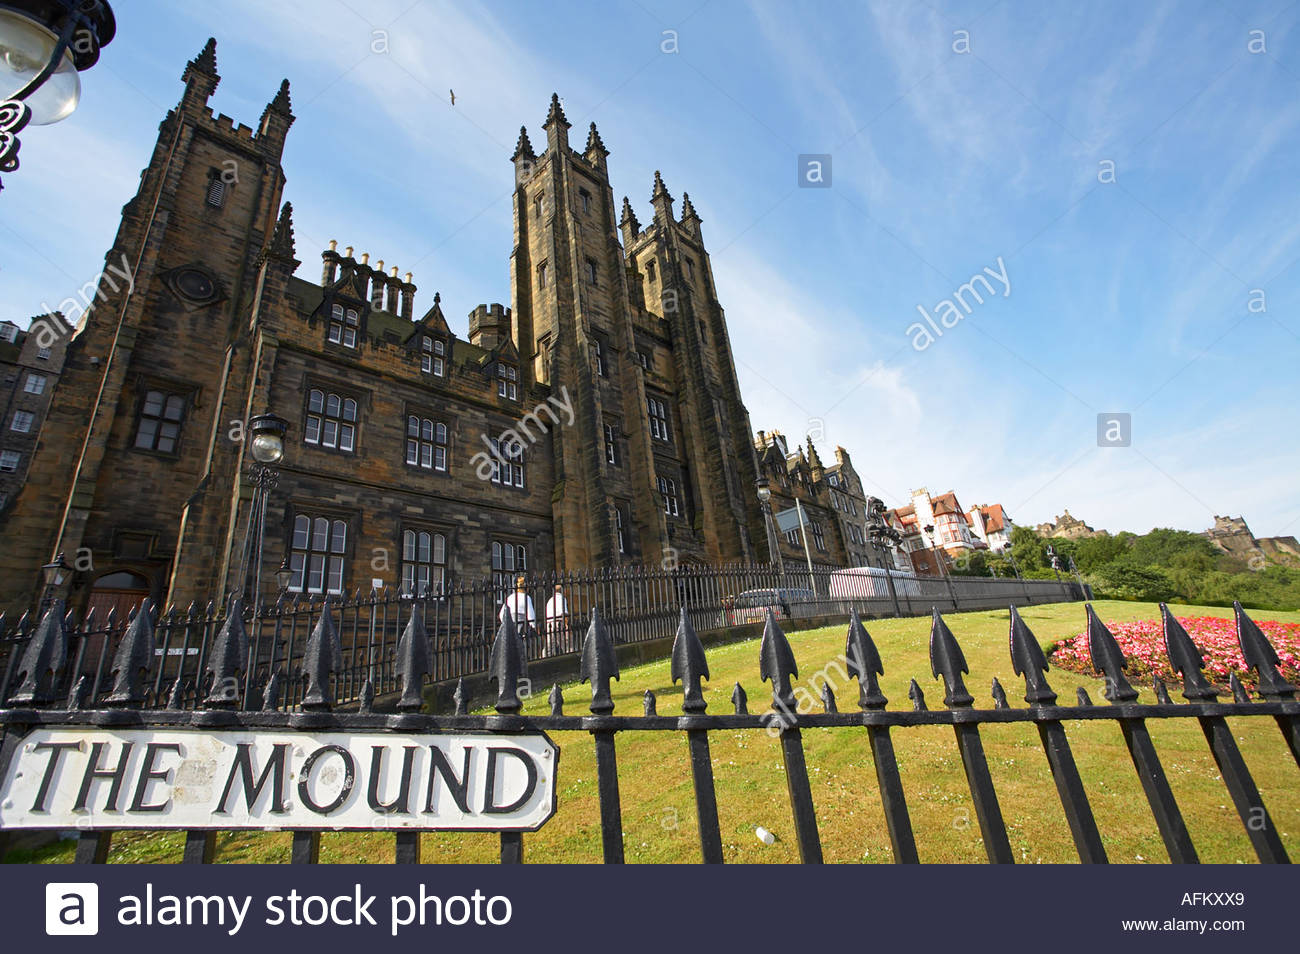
365 258
334 244
393 274
348 251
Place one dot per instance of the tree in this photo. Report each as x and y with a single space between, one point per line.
1128 580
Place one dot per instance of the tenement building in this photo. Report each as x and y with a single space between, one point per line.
594 420
31 361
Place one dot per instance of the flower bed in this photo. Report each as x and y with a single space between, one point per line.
1143 643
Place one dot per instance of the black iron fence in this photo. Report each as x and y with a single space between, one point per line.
35 703
637 604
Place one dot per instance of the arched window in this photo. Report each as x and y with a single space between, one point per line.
331 420
424 561
317 552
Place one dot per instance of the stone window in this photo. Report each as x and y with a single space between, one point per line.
317 553
690 269
584 199
42 354
611 445
650 270
508 561
659 429
508 382
344 323
591 271
507 463
792 537
8 332
159 423
426 443
331 420
35 384
668 488
537 205
598 347
619 529
9 461
433 356
424 562
644 360
819 539
541 275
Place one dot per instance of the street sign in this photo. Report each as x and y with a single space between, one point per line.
163 778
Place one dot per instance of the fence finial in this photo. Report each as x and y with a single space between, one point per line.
413 662
1239 693
132 660
321 657
1108 659
648 704
689 664
947 660
508 664
739 700
776 663
44 658
226 659
864 663
556 700
1185 658
915 693
599 664
1028 660
999 695
828 698
1081 697
1261 657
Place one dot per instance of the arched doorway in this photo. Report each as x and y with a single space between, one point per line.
122 591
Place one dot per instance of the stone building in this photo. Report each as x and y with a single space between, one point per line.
1067 526
31 361
595 420
832 498
1233 536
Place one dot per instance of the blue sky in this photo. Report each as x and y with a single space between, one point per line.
1132 295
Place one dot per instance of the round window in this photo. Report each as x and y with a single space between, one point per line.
195 285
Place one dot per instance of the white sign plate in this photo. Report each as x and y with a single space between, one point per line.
93 778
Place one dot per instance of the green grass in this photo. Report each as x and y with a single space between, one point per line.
659 809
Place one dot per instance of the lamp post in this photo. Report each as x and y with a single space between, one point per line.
773 543
878 531
44 45
53 573
266 444
943 566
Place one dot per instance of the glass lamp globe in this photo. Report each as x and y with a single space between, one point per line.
267 448
25 49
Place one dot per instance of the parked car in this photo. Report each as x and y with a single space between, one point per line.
752 605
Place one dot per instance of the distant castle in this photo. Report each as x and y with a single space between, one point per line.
1069 527
1231 535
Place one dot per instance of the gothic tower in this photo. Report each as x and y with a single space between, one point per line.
140 415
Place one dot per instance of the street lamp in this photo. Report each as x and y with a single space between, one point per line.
764 487
943 565
283 575
44 44
54 574
878 531
266 445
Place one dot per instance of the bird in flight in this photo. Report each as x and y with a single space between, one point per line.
453 96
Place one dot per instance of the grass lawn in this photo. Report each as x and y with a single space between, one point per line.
659 809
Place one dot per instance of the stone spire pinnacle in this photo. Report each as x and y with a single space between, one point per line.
594 143
629 216
688 210
281 102
206 61
523 148
660 189
282 243
556 114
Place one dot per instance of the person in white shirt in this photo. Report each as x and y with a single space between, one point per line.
520 605
557 623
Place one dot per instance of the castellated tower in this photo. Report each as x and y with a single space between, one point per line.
659 464
159 347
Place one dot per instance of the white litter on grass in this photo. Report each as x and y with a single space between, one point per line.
765 836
